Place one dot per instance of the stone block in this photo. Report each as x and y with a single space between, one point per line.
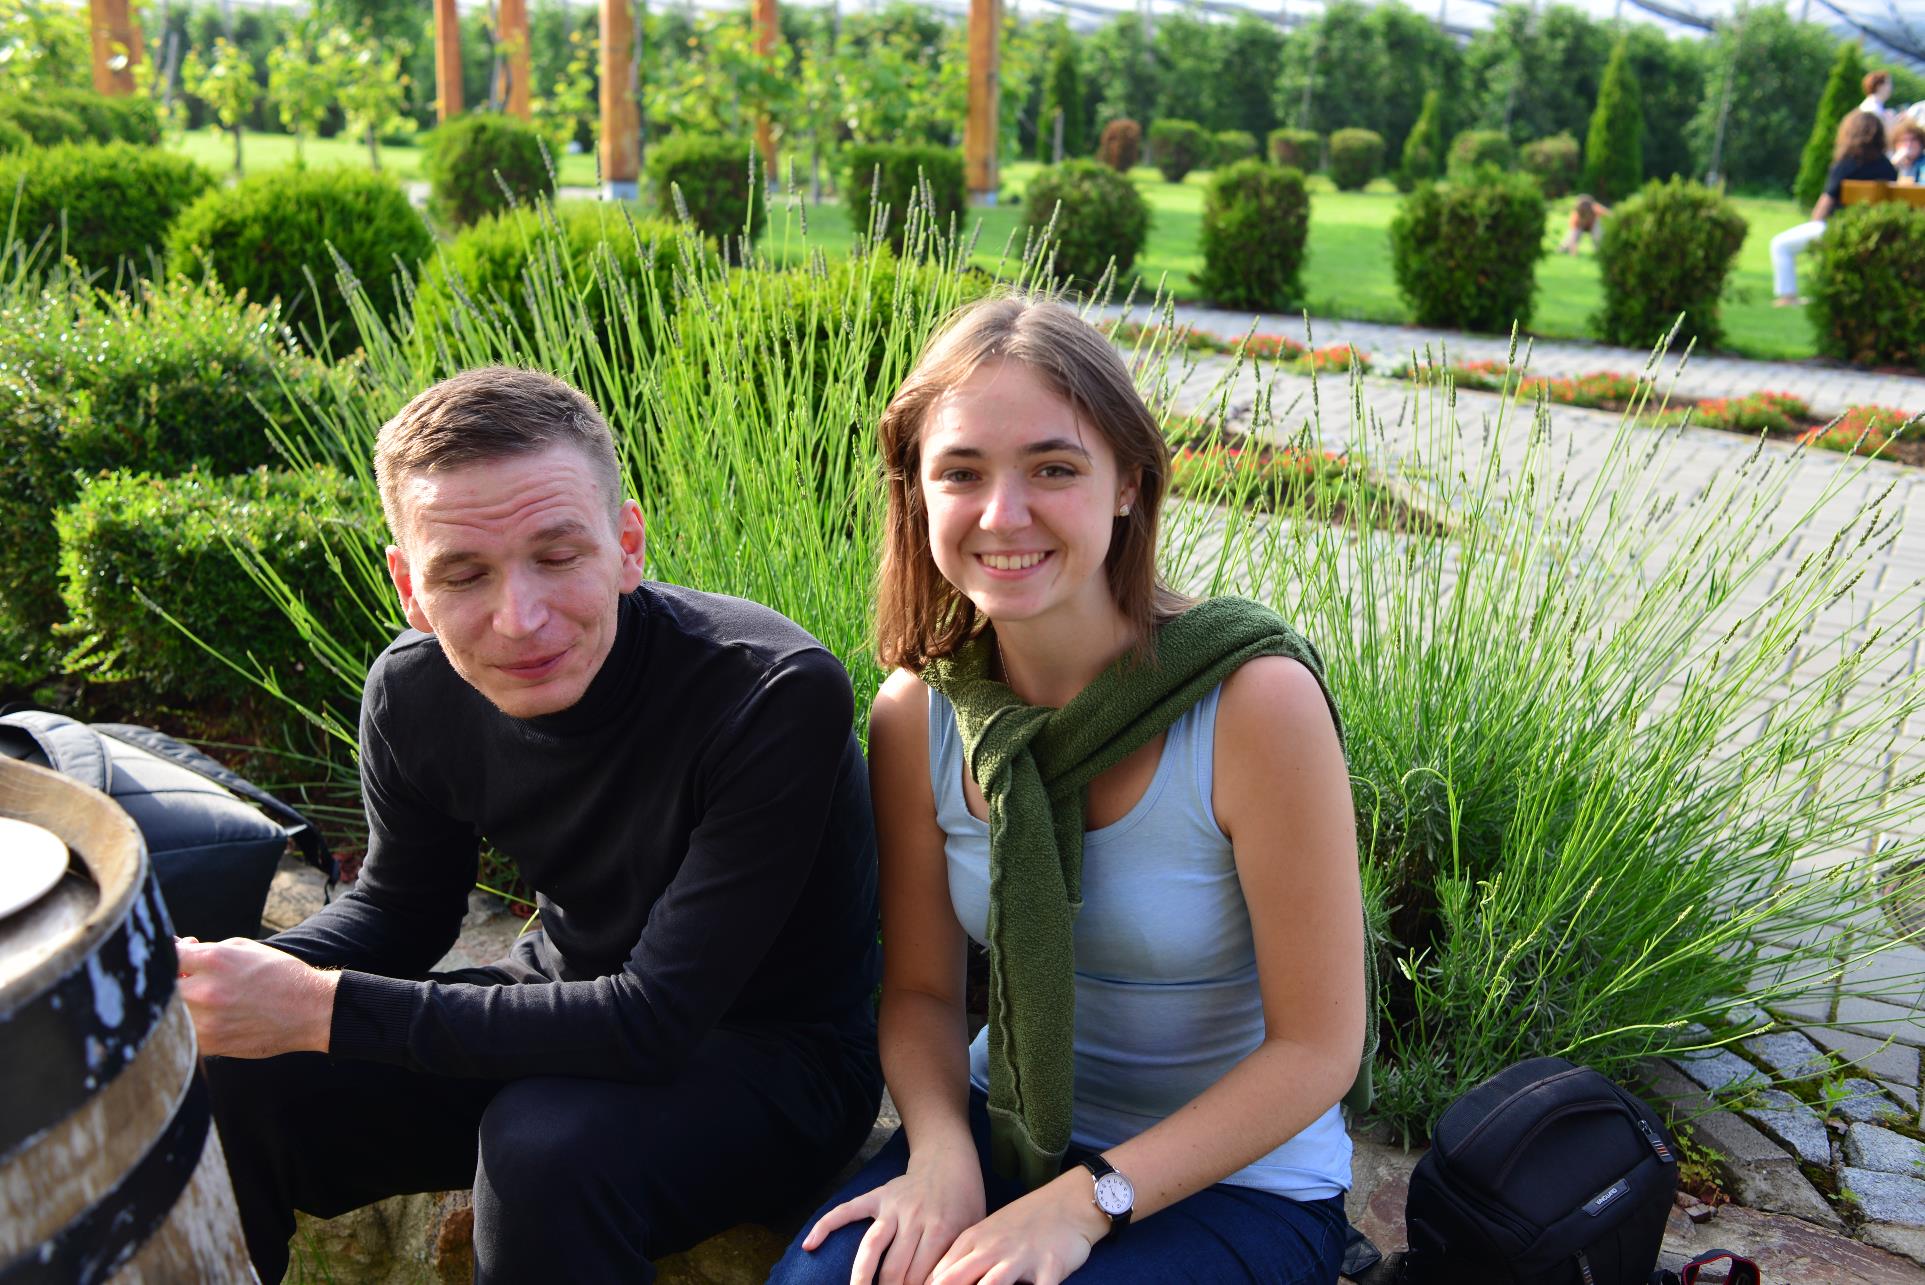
1788 1251
1869 1147
1886 1197
1790 1054
1719 1070
1864 1102
1793 1124
1876 1018
1890 1061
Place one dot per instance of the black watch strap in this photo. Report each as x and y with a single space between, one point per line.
1100 1169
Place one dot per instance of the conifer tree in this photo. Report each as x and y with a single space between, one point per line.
1614 147
1843 92
1062 92
1424 145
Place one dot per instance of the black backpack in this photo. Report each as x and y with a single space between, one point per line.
214 854
1544 1174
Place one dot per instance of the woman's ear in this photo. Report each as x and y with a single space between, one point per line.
1127 492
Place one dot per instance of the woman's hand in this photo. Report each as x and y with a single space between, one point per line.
917 1217
1041 1238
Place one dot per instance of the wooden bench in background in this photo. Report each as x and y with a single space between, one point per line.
1865 191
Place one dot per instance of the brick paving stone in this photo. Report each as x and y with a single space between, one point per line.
1892 1062
1904 1093
1880 1020
1864 1103
1886 1197
1793 1124
1870 1147
1790 1054
1718 1070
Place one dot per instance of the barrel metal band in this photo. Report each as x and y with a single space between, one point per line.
67 1042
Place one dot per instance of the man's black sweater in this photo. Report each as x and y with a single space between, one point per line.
696 829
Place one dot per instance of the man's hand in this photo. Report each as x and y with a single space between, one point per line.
248 999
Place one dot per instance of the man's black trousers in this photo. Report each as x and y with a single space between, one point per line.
574 1179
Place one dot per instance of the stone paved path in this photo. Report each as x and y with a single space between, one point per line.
1828 388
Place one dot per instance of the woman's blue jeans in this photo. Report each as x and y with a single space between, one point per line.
1220 1236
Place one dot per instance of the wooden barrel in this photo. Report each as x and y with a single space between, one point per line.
110 1168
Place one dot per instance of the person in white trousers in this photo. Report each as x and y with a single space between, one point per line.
1859 153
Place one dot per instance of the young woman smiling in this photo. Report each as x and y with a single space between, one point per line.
1140 805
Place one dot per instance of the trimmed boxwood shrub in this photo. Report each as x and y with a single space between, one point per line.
891 173
1300 149
44 123
1465 253
470 159
1233 145
129 540
1121 146
1667 250
1473 149
712 175
118 199
1255 219
1177 147
1555 162
106 118
493 263
1423 157
1102 215
1867 277
1356 157
268 232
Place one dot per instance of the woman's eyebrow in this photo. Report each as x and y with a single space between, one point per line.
1048 446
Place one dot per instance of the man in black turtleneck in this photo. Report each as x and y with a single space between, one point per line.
685 1041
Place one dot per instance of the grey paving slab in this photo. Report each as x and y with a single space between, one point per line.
1870 1147
1793 1124
1863 1102
1789 1053
1718 1070
1891 1062
1886 1197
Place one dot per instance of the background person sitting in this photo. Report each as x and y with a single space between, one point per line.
1587 219
1859 153
1908 151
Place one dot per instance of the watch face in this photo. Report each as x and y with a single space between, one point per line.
1114 1195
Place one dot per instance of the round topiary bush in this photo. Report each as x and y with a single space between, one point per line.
1555 161
1356 157
1867 277
1473 149
1300 149
1178 146
713 177
108 119
270 233
471 159
1255 219
894 174
497 263
1667 250
46 124
1465 254
1101 216
1121 146
1231 146
117 200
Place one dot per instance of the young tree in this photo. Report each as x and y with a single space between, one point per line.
570 104
225 82
1424 146
300 87
1843 92
369 84
1614 148
1062 92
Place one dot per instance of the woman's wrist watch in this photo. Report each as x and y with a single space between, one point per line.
1114 1195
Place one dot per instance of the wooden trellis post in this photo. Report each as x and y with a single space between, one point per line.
983 126
115 34
768 29
447 61
511 33
621 120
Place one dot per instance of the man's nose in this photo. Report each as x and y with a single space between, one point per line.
522 609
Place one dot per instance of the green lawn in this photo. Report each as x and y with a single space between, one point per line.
1347 275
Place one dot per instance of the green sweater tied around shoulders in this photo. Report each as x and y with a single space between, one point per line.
1034 766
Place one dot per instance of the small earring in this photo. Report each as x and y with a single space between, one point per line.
1123 512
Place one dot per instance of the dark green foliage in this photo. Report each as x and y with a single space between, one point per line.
1465 253
1231 146
1356 157
1241 93
1368 67
1121 146
1062 92
270 233
12 137
1424 146
1474 149
493 265
1120 72
894 174
1776 70
1844 90
134 546
471 159
1671 84
1535 70
106 118
1178 146
1255 220
1667 250
1300 149
117 199
713 177
43 123
1555 161
1867 276
1101 216
1614 147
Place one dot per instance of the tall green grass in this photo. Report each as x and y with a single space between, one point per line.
1605 736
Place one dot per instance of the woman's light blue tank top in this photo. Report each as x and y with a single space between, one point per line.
1166 971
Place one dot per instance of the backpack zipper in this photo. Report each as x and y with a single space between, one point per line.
1657 1143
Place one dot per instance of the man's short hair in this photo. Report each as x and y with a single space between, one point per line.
491 413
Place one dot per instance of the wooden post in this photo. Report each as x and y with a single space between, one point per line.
768 29
447 61
982 128
115 35
511 34
621 126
